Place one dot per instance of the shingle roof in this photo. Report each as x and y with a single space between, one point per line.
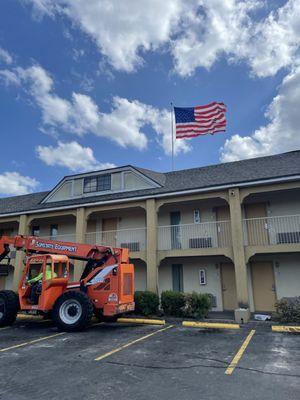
262 168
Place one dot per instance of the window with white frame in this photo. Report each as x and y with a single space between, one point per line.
98 183
53 231
202 277
197 217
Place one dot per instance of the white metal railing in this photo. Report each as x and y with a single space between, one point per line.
272 230
133 238
68 237
193 236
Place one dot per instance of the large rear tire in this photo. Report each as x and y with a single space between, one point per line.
72 311
9 307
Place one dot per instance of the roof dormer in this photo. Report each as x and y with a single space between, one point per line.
101 183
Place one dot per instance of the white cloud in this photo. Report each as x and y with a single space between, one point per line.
42 7
281 134
9 77
5 57
219 27
12 183
72 156
274 43
124 124
196 32
121 29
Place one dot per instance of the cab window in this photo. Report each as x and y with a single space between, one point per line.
34 270
60 270
48 274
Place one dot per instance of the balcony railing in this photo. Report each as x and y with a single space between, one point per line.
68 237
194 236
272 230
133 239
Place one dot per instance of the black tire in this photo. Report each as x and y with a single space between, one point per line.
9 307
104 318
72 311
47 315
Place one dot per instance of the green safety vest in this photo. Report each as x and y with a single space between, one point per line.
39 277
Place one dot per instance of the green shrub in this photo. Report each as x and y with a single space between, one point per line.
288 309
197 305
173 303
146 303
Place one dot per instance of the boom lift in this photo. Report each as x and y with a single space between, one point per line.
106 287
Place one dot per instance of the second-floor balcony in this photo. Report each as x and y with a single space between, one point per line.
272 230
195 236
134 238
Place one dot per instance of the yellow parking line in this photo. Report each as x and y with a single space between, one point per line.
214 325
142 321
131 343
6 327
286 328
31 342
29 316
239 354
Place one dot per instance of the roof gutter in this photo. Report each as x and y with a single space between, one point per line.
162 195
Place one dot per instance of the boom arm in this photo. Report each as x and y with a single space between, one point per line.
76 251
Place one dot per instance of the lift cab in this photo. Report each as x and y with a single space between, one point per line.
54 273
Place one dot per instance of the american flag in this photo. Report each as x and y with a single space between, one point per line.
200 120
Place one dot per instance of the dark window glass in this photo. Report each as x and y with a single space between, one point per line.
97 183
90 185
104 182
35 231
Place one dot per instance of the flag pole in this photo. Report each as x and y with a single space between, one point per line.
172 136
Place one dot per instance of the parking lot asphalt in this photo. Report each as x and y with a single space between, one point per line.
127 361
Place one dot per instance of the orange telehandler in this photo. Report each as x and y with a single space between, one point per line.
106 286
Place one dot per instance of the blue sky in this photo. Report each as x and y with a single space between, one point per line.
87 85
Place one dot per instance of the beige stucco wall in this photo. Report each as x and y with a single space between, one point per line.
140 274
191 277
187 213
191 230
66 228
127 222
283 204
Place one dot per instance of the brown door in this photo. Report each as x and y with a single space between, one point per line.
2 282
228 286
263 285
257 229
224 230
109 231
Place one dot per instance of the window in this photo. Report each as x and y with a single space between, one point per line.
202 276
35 230
197 217
177 277
97 183
53 231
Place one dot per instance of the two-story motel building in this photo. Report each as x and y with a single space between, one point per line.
232 230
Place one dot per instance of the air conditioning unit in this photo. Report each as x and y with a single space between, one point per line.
132 246
200 243
4 269
288 237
